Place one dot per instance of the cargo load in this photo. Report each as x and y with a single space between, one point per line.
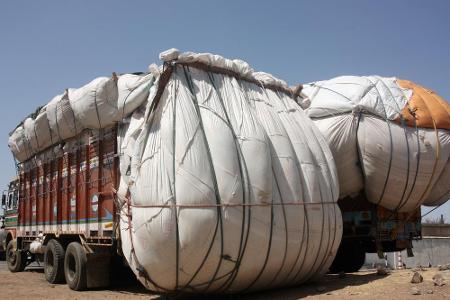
390 138
225 184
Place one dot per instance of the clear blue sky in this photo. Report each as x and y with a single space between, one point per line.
47 46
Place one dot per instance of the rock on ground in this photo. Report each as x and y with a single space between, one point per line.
438 279
416 278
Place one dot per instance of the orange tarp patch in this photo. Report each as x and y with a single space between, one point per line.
425 109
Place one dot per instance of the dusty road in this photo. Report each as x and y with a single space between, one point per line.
31 284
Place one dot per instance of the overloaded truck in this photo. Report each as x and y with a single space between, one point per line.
367 228
203 176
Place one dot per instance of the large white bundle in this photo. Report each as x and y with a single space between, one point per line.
132 92
42 131
61 118
19 145
226 186
398 166
95 104
374 94
340 132
99 104
30 135
37 132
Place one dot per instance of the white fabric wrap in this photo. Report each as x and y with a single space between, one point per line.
61 118
19 144
226 142
95 104
99 104
396 166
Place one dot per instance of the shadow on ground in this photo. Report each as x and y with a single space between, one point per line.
326 285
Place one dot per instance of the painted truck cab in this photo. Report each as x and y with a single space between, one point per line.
10 205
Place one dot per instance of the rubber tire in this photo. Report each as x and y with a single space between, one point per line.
75 267
349 258
54 262
356 258
15 259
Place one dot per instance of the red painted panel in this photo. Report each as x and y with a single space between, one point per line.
81 182
94 176
73 170
76 186
22 203
39 193
65 199
47 195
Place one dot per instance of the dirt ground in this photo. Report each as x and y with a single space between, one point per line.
31 284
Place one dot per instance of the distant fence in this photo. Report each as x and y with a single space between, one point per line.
436 230
428 251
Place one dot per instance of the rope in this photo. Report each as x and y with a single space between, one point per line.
271 220
391 143
404 201
432 210
213 172
177 230
231 205
141 270
242 167
402 122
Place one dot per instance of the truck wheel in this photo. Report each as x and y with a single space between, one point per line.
75 267
15 259
338 264
355 258
349 258
54 262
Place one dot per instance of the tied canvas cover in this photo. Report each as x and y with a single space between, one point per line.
390 138
98 104
226 185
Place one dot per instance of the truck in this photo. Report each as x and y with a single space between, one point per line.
371 228
60 210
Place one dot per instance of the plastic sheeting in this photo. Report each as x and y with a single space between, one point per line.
226 185
398 166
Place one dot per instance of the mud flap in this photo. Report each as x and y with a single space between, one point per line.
98 270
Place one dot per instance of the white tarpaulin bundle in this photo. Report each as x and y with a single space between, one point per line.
99 104
226 185
389 137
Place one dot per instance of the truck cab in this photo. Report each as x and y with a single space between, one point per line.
10 204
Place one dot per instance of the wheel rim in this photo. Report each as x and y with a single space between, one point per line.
71 267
